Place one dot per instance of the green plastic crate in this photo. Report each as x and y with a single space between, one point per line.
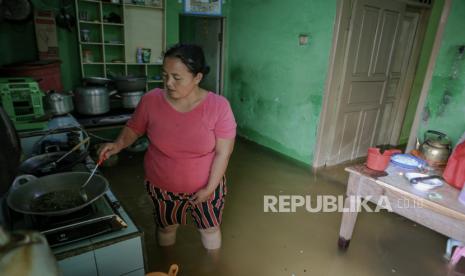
22 100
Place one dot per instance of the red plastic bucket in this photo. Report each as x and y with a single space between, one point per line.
377 161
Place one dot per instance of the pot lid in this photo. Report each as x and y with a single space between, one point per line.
92 90
10 152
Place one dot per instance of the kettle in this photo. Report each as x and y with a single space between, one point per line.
436 147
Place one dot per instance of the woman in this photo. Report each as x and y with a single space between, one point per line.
191 133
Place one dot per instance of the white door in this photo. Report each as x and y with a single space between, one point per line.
374 31
399 87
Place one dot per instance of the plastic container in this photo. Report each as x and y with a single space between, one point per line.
377 161
454 172
85 35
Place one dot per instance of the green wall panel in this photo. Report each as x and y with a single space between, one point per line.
275 85
445 105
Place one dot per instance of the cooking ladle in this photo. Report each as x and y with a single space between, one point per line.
82 190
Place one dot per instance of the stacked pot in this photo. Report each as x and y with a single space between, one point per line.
93 98
131 89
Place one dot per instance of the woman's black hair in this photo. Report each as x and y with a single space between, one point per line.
191 55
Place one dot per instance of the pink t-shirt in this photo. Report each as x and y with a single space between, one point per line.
182 145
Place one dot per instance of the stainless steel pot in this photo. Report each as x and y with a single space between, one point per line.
59 103
131 99
92 100
130 84
54 194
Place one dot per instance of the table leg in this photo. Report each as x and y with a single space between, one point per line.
349 217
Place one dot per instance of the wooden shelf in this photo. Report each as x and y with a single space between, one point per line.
119 41
112 24
143 6
90 43
90 22
110 3
113 44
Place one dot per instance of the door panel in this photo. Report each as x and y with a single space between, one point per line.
372 38
366 132
366 42
365 92
397 77
349 130
386 42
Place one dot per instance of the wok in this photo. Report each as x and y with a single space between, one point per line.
55 194
43 164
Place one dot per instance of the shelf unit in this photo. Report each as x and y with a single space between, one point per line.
109 48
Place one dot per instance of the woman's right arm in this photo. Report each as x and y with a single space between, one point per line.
125 139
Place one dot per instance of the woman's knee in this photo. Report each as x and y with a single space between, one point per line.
211 237
167 235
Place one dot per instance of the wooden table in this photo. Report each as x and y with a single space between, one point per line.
445 215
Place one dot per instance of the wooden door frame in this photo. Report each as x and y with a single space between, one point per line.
327 123
410 72
429 75
326 126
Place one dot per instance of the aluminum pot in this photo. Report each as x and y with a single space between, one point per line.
54 194
131 99
59 103
92 100
130 84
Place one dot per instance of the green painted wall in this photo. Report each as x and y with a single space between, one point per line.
276 86
425 54
445 104
17 44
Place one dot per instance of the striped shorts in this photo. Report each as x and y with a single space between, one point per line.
172 208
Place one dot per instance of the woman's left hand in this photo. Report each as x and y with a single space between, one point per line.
201 195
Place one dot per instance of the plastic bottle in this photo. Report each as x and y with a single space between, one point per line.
139 55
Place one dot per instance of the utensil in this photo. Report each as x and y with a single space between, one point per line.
130 83
59 103
131 99
421 179
43 164
407 161
436 147
36 195
424 182
73 149
82 190
92 100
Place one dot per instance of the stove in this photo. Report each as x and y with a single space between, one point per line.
102 216
98 218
